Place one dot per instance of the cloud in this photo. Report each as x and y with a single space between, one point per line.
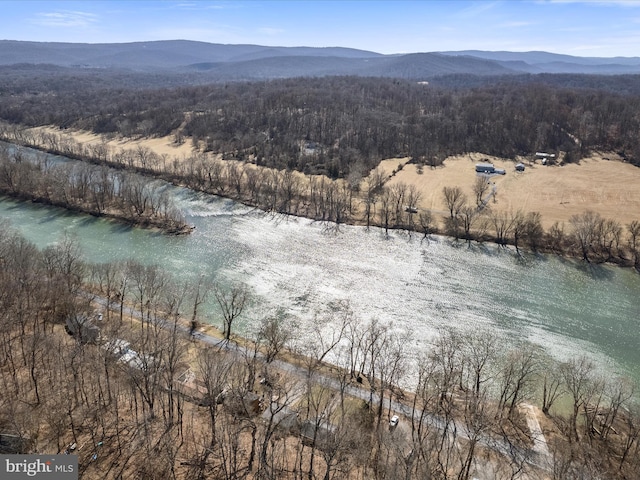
477 9
65 19
208 6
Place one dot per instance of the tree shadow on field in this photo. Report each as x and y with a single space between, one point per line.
529 259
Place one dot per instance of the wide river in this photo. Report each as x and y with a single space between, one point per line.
305 268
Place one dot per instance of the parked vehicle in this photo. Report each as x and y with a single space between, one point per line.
394 421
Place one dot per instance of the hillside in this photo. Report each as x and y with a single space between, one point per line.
545 62
243 62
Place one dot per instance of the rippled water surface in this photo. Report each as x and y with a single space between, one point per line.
567 307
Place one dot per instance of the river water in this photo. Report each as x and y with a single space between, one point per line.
306 268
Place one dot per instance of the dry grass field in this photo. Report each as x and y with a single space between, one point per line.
608 187
161 145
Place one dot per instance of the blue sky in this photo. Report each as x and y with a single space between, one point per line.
584 28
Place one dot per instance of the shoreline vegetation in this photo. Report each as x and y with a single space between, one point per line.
171 404
374 200
98 191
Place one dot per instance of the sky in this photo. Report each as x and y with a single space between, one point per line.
583 28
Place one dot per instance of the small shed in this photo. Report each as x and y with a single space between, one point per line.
520 167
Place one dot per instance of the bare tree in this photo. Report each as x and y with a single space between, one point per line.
479 352
398 194
323 339
480 188
280 395
454 199
385 211
372 186
634 241
556 237
468 217
552 382
234 176
213 369
275 334
583 229
516 376
202 289
426 222
502 225
578 376
608 234
232 303
412 198
533 230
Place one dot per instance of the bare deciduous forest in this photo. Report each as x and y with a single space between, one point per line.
351 122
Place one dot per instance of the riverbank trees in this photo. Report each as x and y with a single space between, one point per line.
367 202
97 190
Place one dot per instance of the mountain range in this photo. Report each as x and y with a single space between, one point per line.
238 62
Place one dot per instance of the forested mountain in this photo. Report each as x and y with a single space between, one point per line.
251 62
158 54
544 62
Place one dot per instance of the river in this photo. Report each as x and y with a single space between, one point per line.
306 268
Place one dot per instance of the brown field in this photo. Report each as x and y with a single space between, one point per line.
608 187
161 146
601 183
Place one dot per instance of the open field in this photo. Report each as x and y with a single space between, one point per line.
161 145
601 183
608 187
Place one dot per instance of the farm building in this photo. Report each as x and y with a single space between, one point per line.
489 168
485 168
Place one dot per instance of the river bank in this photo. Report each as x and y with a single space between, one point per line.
397 195
97 191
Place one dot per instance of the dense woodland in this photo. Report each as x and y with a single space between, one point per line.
341 125
248 417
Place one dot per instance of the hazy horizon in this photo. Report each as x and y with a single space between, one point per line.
571 27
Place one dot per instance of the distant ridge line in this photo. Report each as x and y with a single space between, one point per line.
247 61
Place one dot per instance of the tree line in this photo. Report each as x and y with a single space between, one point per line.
245 416
587 235
98 190
340 125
